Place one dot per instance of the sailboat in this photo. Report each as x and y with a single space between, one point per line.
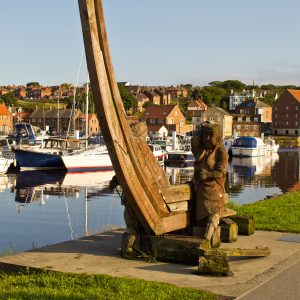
92 158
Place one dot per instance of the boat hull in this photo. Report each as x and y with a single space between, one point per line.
88 161
249 152
32 160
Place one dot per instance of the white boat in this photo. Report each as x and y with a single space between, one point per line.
272 146
5 164
90 160
248 146
160 154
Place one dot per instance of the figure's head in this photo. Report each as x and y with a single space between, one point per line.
139 130
211 135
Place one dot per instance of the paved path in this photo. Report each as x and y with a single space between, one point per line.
283 286
99 254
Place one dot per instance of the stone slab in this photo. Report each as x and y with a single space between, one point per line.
100 254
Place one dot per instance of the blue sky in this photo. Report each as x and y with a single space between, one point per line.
155 42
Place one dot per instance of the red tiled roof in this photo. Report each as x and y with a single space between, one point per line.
154 127
198 103
295 94
3 110
24 114
158 111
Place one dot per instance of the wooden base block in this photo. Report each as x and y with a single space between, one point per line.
246 224
175 248
214 265
229 230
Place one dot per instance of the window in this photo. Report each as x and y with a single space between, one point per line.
275 108
287 115
255 120
297 107
286 132
275 116
296 132
287 108
287 123
160 121
296 123
296 115
152 121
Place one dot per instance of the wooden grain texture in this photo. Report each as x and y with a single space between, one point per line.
137 174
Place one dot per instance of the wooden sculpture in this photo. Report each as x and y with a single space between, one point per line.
152 206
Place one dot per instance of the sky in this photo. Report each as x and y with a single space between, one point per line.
155 42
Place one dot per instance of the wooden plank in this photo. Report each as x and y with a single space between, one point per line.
181 206
174 222
177 193
259 251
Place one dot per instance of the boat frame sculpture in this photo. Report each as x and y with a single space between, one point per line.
158 207
147 195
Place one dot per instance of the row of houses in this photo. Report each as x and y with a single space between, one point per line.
53 120
41 92
157 95
252 117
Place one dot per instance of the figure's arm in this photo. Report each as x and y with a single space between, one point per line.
219 168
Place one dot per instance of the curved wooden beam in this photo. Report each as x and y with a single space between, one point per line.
136 168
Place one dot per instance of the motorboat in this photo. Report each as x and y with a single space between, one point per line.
48 156
160 154
248 146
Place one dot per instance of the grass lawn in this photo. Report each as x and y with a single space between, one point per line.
280 213
55 285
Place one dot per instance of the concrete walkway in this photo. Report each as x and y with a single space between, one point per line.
99 254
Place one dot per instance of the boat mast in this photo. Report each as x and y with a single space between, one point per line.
87 112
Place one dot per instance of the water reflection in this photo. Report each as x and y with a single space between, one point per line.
39 208
252 179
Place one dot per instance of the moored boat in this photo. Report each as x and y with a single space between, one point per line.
48 156
93 159
247 146
160 154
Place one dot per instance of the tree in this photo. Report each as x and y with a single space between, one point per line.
127 98
196 93
214 96
66 85
33 84
9 99
268 87
235 85
215 83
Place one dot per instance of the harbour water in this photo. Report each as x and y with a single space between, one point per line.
39 208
